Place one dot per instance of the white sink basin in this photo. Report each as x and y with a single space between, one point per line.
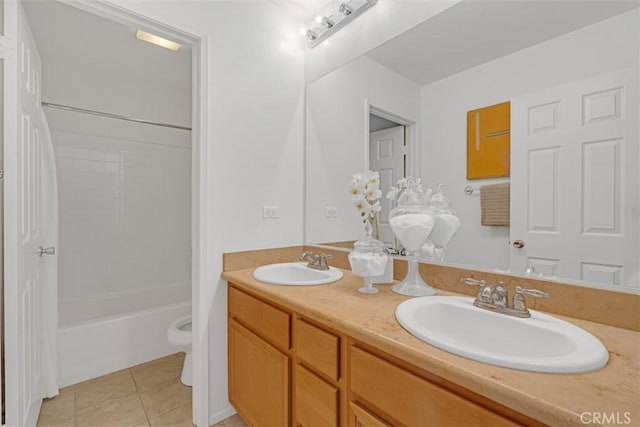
540 343
295 274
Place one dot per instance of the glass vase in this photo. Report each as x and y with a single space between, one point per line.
411 222
368 260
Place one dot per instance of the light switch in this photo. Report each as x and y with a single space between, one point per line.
271 212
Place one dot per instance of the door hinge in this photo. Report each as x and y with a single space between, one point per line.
1 170
5 49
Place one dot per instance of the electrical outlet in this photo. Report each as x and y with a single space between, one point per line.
270 212
331 212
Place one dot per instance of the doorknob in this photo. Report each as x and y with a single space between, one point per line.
518 244
46 251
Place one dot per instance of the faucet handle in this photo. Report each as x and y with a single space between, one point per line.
519 305
322 260
533 292
485 290
305 255
473 282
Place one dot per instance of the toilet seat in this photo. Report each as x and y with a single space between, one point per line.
178 336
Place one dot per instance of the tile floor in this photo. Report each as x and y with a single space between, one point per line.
150 394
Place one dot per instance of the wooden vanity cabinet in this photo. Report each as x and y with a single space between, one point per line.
259 362
288 370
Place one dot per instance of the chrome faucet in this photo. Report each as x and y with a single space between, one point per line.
316 261
495 298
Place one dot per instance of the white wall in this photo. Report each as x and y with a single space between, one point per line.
254 100
609 45
337 134
385 20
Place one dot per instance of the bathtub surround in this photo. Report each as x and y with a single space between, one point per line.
120 183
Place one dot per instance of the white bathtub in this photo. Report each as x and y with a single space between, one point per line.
99 335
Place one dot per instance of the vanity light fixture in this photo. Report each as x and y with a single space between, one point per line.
157 40
326 25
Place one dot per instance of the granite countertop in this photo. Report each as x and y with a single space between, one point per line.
554 399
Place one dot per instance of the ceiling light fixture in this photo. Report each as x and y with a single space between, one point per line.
157 40
327 25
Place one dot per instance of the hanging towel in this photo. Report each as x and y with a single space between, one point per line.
494 204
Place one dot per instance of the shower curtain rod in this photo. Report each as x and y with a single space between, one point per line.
112 116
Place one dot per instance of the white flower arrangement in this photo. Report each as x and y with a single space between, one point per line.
366 194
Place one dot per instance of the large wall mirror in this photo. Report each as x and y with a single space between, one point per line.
570 72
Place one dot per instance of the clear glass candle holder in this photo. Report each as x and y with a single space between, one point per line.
368 260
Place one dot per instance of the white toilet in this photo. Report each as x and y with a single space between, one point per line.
179 336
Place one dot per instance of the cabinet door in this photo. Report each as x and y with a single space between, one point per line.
258 378
360 417
316 401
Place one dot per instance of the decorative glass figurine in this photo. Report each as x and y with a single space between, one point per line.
411 221
368 260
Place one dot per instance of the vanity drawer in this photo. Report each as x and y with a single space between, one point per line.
262 318
316 401
318 349
412 400
360 417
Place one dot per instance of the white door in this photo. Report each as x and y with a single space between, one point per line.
22 220
387 155
575 200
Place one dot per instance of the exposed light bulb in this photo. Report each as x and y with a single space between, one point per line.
345 9
311 35
326 22
319 19
303 31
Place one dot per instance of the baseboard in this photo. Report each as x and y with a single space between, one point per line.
221 415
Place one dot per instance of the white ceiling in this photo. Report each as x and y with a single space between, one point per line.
474 32
65 32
